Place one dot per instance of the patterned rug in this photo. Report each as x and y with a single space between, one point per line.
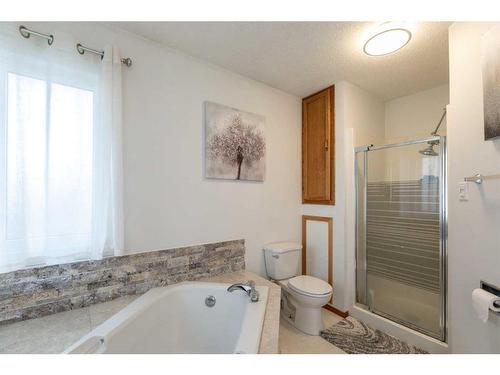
355 337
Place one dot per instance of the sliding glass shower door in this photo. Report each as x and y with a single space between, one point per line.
401 233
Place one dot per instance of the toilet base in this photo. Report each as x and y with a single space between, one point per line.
305 319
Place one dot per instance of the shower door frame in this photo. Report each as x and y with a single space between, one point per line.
443 227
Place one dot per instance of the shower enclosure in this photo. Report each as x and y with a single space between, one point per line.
401 233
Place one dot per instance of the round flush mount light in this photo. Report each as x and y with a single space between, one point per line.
387 41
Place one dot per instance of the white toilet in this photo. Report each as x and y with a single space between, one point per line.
302 296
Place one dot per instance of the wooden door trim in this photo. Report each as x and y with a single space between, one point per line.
343 314
330 91
329 220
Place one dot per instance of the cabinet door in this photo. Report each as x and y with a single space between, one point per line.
318 148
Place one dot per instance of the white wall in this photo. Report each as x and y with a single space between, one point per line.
359 119
473 226
365 113
416 115
168 203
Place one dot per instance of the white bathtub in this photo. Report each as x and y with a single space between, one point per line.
175 319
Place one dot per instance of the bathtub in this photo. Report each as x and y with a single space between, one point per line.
176 319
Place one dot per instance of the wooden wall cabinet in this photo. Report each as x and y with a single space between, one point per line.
318 148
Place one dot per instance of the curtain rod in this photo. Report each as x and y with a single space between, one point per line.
81 50
25 33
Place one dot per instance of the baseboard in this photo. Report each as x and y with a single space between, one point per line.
343 314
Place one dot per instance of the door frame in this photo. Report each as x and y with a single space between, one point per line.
443 219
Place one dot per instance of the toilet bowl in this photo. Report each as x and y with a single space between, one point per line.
307 295
301 296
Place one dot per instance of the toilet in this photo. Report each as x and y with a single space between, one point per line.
302 296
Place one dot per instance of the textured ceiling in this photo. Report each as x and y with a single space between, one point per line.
304 57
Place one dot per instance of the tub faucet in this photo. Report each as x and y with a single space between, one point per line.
248 288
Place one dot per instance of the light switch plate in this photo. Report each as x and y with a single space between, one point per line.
463 191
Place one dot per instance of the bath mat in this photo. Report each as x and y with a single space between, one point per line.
355 337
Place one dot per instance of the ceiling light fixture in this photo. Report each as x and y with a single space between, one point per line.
387 41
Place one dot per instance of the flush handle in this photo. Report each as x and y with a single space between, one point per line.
276 256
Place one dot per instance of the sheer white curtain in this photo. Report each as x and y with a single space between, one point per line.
60 152
107 226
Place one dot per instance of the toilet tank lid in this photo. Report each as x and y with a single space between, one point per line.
282 247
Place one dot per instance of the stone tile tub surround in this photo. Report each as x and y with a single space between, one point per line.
55 333
35 292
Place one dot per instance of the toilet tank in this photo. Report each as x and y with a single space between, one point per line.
282 259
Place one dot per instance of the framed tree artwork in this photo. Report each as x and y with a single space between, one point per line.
491 83
235 144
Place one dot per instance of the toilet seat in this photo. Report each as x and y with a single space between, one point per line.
310 286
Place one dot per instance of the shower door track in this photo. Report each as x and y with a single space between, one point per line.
443 224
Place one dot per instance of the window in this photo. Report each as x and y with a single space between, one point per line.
48 170
60 155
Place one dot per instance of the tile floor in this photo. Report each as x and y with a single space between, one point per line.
293 341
